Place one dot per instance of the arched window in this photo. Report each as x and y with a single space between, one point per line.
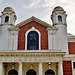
59 18
33 41
49 72
31 72
13 72
6 19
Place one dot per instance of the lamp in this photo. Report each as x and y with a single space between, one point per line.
49 63
13 65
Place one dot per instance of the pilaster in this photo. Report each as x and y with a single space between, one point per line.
52 37
40 68
1 69
20 68
60 68
13 39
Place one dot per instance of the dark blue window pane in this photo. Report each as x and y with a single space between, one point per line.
6 19
60 18
32 41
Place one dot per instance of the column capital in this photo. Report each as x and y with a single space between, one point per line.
20 62
40 62
60 62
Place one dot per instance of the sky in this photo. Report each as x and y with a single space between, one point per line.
41 9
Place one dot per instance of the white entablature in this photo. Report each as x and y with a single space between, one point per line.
31 56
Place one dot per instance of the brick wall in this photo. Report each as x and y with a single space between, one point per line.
67 68
41 28
71 46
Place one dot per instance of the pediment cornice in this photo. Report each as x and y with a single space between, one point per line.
33 19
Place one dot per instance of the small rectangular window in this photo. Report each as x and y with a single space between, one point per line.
74 65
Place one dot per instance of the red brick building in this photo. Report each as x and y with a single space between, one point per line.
34 47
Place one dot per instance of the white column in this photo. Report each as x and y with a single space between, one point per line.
49 40
15 39
40 68
60 68
20 68
1 69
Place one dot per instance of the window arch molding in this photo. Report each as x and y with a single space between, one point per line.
33 29
11 69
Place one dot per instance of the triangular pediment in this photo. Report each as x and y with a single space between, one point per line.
33 19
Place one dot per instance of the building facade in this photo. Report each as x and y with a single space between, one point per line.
34 47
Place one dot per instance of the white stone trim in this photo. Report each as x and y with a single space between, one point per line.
20 68
33 19
71 40
33 29
40 68
31 56
60 68
1 68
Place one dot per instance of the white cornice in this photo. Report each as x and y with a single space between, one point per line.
69 57
10 29
54 28
31 53
31 56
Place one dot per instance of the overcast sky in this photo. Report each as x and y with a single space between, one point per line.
41 9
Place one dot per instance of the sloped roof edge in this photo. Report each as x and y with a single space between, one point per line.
33 19
70 36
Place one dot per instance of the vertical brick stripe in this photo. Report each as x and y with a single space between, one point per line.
67 68
71 46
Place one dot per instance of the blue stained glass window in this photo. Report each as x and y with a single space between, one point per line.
33 41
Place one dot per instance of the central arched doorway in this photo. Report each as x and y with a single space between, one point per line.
31 72
13 72
49 72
